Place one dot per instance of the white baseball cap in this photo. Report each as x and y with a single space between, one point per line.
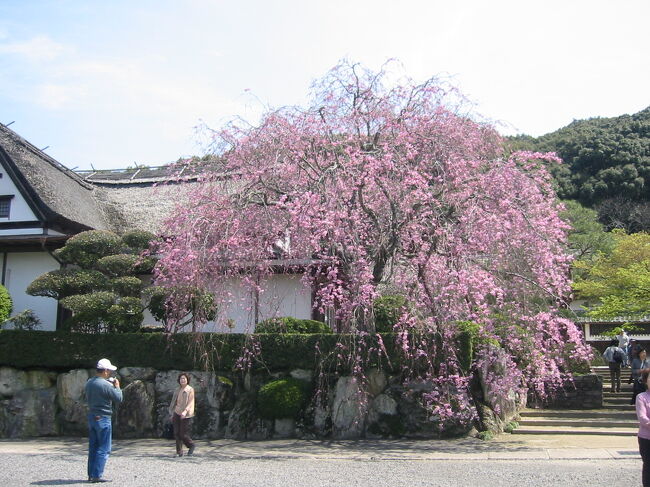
105 364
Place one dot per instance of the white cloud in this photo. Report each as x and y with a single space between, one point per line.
36 49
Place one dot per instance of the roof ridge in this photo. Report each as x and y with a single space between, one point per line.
45 157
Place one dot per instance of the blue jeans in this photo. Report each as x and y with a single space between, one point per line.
99 444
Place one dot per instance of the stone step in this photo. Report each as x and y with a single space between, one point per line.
617 396
578 413
616 400
553 430
619 407
581 423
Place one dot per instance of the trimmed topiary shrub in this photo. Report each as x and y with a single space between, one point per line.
138 239
6 305
61 283
102 287
86 248
291 325
118 265
281 398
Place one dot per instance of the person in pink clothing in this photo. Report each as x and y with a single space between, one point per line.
643 414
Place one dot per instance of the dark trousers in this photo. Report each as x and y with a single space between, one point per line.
644 450
182 428
615 376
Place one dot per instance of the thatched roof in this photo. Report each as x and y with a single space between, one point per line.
117 200
56 194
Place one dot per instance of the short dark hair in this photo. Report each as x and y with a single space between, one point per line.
613 343
187 376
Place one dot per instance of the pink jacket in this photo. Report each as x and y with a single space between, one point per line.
643 414
183 400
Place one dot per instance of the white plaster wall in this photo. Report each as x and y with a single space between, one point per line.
285 295
281 295
22 269
20 210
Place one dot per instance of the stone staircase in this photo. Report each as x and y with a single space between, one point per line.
617 417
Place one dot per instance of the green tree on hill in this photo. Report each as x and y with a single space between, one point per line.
607 166
618 283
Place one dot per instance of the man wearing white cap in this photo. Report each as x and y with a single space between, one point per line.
101 392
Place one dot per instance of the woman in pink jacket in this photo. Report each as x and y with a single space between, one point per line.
643 414
181 410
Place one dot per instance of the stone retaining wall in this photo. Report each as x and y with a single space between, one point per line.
585 392
47 403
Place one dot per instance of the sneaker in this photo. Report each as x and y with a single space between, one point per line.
191 450
179 454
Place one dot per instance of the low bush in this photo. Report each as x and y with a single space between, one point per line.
6 305
387 310
291 325
485 435
24 321
282 398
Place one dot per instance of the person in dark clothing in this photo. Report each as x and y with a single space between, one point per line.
614 357
640 364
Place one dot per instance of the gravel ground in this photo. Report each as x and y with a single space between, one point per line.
130 469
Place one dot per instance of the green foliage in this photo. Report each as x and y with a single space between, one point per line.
511 426
101 288
6 304
138 240
61 283
617 284
466 338
387 310
145 265
192 306
118 265
89 311
485 435
86 248
187 351
25 321
617 330
125 315
604 158
587 235
282 398
291 325
127 286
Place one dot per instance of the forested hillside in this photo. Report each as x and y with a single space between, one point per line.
607 166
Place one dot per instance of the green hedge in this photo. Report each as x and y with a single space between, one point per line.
187 351
288 324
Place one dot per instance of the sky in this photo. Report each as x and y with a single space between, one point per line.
111 84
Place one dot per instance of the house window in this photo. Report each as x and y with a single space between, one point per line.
5 206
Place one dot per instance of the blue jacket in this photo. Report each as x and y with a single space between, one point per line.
100 395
